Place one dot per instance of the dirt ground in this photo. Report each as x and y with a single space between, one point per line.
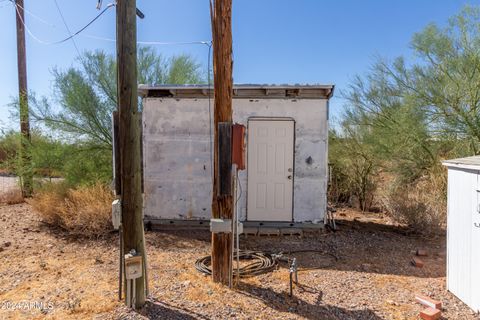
45 273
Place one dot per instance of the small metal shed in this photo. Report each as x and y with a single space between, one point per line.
287 141
463 230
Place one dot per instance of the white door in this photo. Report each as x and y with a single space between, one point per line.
270 170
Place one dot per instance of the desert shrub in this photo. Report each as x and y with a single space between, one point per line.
353 182
85 210
86 165
46 153
13 196
78 163
353 171
422 205
9 142
402 118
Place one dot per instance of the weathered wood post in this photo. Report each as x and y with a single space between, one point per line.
25 159
222 205
129 136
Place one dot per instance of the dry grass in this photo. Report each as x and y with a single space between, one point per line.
422 205
13 196
85 210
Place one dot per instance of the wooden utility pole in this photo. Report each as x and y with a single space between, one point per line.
129 136
222 205
25 159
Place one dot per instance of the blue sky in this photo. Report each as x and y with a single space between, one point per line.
275 41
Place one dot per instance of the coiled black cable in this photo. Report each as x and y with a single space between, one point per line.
261 263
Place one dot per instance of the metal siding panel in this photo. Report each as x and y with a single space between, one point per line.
170 123
462 201
475 252
177 159
311 137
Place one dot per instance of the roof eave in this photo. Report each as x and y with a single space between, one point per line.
240 91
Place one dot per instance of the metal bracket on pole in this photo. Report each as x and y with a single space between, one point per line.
293 272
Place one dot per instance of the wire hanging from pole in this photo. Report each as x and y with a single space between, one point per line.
68 29
79 32
32 14
210 120
67 38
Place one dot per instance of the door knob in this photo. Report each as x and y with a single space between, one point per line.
290 177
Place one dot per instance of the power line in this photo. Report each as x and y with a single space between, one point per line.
207 43
69 37
66 27
32 14
210 119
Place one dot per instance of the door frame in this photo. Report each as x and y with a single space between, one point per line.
259 118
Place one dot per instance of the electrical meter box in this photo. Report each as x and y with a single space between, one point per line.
133 267
238 145
116 214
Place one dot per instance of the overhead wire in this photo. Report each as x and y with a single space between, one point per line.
66 27
79 32
31 14
67 38
210 112
207 43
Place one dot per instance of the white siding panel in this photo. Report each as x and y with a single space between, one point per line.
475 252
462 203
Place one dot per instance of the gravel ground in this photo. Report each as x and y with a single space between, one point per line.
74 278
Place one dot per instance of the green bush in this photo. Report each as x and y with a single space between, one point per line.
78 164
86 165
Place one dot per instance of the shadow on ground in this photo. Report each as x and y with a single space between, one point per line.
155 309
357 246
284 303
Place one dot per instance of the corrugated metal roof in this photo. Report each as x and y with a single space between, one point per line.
246 91
467 163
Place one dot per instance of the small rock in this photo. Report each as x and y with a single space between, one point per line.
7 244
393 303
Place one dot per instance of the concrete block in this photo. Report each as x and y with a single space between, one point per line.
291 231
268 231
250 231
